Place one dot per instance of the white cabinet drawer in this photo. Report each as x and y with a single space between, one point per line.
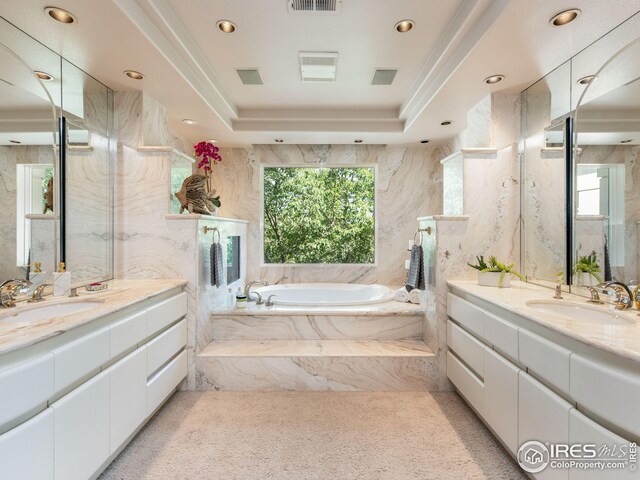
127 396
163 382
542 416
165 346
545 359
25 387
467 348
585 431
26 452
501 398
125 334
79 358
470 386
607 391
502 335
466 314
166 312
81 430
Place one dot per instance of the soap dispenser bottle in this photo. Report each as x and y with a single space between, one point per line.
61 281
37 277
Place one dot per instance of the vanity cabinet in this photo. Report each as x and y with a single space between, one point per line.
127 396
501 398
527 387
81 429
74 405
544 417
26 452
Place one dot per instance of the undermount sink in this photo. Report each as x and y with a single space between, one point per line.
47 310
581 313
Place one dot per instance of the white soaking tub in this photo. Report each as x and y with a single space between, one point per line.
326 294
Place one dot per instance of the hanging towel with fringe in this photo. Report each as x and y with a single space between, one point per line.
217 265
416 269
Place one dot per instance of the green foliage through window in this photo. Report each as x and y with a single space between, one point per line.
319 215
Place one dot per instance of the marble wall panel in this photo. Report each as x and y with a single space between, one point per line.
408 184
544 215
453 184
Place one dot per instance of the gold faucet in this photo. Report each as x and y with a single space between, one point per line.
636 297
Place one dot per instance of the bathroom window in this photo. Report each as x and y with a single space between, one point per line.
319 215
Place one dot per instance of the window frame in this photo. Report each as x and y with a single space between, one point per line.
263 166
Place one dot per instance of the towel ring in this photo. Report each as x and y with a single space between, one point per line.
214 230
417 242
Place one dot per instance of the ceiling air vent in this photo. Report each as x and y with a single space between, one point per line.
321 7
318 66
250 76
383 77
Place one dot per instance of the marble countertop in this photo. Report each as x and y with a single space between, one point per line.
621 340
390 308
120 294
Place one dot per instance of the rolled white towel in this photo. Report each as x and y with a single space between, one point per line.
415 295
401 295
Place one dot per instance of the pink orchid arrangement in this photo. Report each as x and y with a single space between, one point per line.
208 153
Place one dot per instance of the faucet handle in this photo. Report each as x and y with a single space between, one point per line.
595 296
269 301
558 294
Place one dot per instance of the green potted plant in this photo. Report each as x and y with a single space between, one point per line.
586 270
494 273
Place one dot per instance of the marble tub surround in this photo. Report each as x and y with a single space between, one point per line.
408 183
621 340
120 295
362 347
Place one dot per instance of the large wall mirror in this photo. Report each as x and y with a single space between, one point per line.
581 180
607 171
28 154
56 191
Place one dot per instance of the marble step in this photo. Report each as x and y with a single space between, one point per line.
351 365
317 348
314 327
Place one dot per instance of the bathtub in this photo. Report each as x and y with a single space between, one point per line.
326 294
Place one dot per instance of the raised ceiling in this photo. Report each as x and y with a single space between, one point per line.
190 65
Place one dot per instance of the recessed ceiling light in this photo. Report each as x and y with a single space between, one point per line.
358 141
278 140
425 141
403 26
446 122
493 79
587 80
60 15
226 26
189 121
626 141
15 141
44 76
562 18
133 74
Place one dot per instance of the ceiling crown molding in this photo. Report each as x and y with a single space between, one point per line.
447 57
189 61
160 25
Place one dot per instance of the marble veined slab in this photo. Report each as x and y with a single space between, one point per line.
622 340
120 294
385 309
317 348
346 373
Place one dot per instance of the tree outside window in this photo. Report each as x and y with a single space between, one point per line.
319 215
